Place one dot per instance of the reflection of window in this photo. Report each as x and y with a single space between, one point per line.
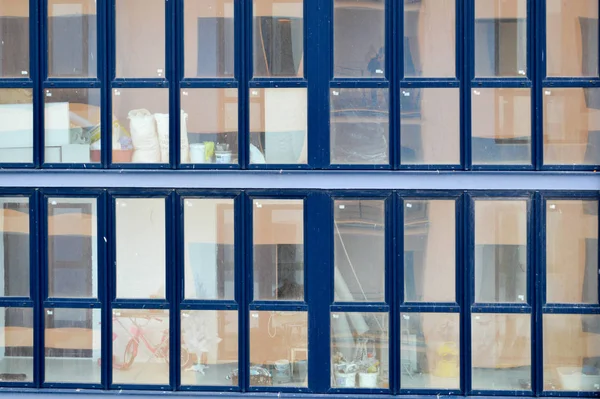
500 47
215 39
279 43
78 58
14 54
501 273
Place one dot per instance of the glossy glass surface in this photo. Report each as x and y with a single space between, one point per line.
16 344
14 39
15 238
16 129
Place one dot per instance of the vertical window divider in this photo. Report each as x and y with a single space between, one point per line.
393 30
173 25
111 279
539 239
34 66
246 285
531 301
325 75
179 273
462 51
468 220
38 315
313 68
103 10
109 65
461 259
468 12
43 286
537 35
239 286
103 283
395 262
243 56
172 237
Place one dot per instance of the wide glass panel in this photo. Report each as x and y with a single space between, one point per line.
208 38
429 38
16 129
278 36
572 251
501 351
278 125
140 130
359 250
72 343
430 126
359 38
429 250
500 38
501 251
140 38
209 248
278 249
572 352
209 347
72 125
209 126
278 349
72 43
140 346
14 39
14 236
359 126
572 37
16 338
501 126
140 247
430 351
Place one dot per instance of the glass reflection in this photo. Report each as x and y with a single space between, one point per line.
14 234
14 39
16 129
16 338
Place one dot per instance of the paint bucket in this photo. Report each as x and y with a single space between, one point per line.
367 380
197 153
345 380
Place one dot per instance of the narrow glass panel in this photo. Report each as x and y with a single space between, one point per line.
359 126
140 346
14 236
429 38
14 39
360 350
572 251
572 126
140 132
572 37
500 251
571 352
501 351
359 38
359 250
500 38
278 349
501 126
72 125
209 248
430 126
209 347
16 129
209 126
140 38
278 35
208 38
72 342
16 338
72 43
72 248
140 246
278 249
430 351
429 251
278 125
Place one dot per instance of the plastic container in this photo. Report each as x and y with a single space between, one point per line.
223 156
367 380
345 380
197 153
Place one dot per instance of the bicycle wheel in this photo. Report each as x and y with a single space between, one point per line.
130 353
186 358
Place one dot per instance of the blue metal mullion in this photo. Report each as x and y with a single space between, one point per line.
110 290
311 68
394 290
246 287
468 221
172 293
243 57
393 59
538 37
35 283
38 77
468 60
533 77
325 76
104 76
42 225
109 76
178 297
172 28
537 378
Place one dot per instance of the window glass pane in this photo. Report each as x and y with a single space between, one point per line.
72 45
430 126
72 125
16 129
360 350
208 38
72 248
209 248
359 126
140 38
14 235
140 351
429 38
359 38
501 126
278 249
359 250
209 126
140 247
278 125
14 39
72 342
501 354
430 351
571 354
16 337
209 347
429 251
500 38
140 126
278 35
278 348
572 37
500 251
572 251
